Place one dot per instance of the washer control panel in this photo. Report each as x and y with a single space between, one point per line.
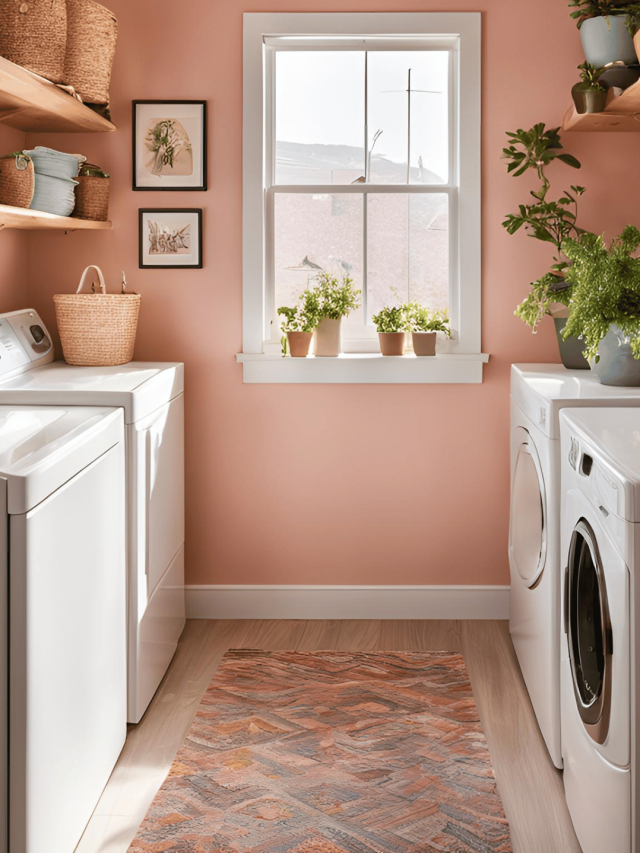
24 342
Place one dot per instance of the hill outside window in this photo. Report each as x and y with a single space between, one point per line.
362 157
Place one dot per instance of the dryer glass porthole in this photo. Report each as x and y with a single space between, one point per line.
589 632
528 530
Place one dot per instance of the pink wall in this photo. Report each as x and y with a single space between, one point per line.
331 484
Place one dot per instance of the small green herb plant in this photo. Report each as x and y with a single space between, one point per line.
606 289
421 319
547 220
584 9
392 319
590 75
335 298
303 317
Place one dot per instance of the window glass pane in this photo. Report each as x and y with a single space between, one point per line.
319 117
408 101
407 250
315 232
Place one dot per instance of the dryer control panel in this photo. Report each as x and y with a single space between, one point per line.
24 342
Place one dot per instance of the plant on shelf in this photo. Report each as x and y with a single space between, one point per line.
424 324
585 9
589 96
335 299
551 221
298 324
391 322
605 300
607 29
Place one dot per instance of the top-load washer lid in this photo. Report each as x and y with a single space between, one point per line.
542 390
604 448
138 387
42 448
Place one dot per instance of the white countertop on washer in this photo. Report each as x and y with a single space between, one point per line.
138 387
542 390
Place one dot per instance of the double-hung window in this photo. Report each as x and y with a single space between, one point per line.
362 158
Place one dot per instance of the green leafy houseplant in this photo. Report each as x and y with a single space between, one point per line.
606 289
584 9
335 298
589 96
421 319
304 317
391 320
551 221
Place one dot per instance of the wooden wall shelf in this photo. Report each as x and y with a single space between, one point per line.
33 104
20 217
622 113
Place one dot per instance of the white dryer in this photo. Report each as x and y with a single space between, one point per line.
599 650
538 393
152 400
63 596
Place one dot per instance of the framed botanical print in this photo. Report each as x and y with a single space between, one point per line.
170 238
169 145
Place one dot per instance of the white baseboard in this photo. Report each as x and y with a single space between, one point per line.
227 601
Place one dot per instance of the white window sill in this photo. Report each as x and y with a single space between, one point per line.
360 368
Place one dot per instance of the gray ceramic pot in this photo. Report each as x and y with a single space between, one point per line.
606 39
617 366
571 349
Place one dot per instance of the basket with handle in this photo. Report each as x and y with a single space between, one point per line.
97 328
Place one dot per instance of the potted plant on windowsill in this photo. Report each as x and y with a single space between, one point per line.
549 221
298 325
607 29
589 96
391 325
335 299
605 303
424 325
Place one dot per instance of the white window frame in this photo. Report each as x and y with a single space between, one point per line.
461 360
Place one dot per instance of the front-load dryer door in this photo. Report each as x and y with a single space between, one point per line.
589 632
528 524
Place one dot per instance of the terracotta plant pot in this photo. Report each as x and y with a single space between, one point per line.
299 343
327 338
391 343
424 343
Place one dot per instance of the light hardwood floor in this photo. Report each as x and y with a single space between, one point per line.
531 788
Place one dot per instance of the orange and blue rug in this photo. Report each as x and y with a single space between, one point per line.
331 752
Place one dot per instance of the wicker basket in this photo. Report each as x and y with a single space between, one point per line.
34 34
91 45
97 328
92 198
17 180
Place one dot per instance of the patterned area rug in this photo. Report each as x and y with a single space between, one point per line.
331 752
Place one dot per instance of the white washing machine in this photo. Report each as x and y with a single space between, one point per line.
600 599
538 393
152 400
63 593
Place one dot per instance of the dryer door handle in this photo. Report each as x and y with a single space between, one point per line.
565 600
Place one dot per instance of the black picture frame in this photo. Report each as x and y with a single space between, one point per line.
165 170
171 252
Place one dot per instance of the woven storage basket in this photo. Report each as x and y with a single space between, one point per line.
91 45
17 180
97 328
92 198
33 33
